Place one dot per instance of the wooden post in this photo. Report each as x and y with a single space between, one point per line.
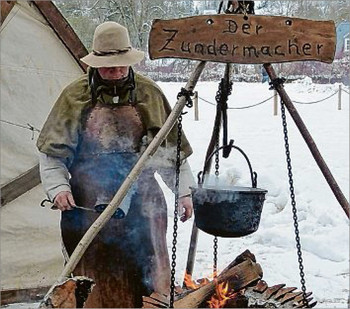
192 250
195 103
275 103
130 179
339 98
310 142
20 185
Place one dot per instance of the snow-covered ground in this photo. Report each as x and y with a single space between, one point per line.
323 225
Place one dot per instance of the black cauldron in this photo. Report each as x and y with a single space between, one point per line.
228 211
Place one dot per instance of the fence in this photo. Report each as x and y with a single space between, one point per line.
196 107
275 104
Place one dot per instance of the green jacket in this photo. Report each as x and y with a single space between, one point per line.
59 136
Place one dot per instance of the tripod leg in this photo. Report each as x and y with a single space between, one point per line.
309 141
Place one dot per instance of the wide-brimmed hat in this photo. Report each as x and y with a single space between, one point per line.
111 47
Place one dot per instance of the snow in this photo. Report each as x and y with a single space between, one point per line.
323 225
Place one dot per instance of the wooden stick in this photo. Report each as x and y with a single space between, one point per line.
275 103
20 185
130 179
196 109
310 142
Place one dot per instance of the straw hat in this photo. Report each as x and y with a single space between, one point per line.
111 47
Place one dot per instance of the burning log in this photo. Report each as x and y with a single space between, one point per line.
238 286
237 278
72 293
243 271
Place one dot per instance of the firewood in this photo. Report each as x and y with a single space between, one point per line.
300 297
153 301
261 286
273 290
160 297
238 277
276 297
72 293
310 304
289 296
241 258
240 301
283 292
150 305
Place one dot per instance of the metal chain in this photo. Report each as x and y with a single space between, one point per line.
217 166
217 159
218 98
187 94
176 211
215 265
293 202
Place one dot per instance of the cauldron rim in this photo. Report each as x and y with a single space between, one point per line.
228 189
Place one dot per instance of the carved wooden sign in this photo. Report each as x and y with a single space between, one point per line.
239 39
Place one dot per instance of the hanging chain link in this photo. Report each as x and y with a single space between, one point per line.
293 202
176 212
217 159
215 265
218 98
187 94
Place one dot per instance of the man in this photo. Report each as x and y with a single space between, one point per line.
89 143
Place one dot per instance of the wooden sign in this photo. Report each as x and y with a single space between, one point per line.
239 39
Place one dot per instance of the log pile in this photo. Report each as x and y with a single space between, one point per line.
239 285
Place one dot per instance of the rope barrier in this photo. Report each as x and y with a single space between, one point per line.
249 106
314 102
297 102
243 107
345 91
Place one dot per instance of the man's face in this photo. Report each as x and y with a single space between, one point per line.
114 72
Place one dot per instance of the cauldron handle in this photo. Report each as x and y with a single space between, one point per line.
227 148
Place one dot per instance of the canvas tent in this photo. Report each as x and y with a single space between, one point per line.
39 55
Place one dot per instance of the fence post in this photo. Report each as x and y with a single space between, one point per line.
196 109
275 102
339 98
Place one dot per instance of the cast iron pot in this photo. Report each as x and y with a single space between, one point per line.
228 211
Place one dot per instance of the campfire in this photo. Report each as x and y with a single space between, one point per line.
239 285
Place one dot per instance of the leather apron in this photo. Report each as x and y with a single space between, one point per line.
128 259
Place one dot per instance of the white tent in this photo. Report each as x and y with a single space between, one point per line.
39 56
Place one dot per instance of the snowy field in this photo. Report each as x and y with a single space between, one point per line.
324 228
323 225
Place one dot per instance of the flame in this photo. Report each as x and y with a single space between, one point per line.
190 284
219 299
221 296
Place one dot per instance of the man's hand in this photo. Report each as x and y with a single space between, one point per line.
64 200
185 205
